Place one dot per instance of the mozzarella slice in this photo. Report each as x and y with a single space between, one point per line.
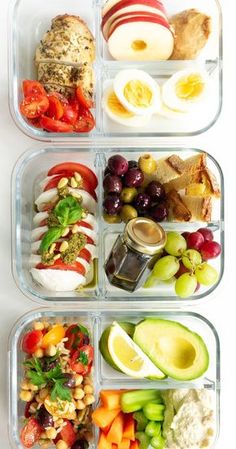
91 248
40 216
38 232
48 196
58 280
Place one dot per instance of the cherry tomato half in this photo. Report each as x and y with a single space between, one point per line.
30 433
34 106
86 173
67 434
56 109
32 341
32 87
76 338
70 115
85 122
82 99
56 126
82 359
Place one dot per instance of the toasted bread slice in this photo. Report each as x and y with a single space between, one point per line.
200 207
195 163
167 169
183 181
178 210
210 181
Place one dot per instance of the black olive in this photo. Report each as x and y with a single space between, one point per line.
44 418
70 381
80 444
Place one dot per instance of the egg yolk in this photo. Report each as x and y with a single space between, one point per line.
138 94
189 87
116 107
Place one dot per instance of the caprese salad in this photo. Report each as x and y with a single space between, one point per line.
64 237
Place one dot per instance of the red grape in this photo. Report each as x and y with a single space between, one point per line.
182 270
207 234
210 250
195 240
198 287
185 235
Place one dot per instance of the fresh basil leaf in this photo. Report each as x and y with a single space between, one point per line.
51 236
75 215
54 373
83 329
63 218
67 203
83 358
74 330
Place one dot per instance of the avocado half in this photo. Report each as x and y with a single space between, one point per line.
173 348
103 342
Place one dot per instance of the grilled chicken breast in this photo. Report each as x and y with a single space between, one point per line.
65 56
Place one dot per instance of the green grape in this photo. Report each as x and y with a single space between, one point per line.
191 259
206 274
176 244
151 281
158 442
165 268
186 285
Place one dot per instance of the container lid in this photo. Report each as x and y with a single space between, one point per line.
145 236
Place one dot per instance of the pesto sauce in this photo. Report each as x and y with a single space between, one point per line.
52 220
76 243
47 258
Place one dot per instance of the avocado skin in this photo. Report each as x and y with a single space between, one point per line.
129 328
165 328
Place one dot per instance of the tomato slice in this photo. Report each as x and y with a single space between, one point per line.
70 114
82 99
60 97
56 126
56 109
74 104
67 434
76 338
32 87
82 359
85 122
31 341
60 265
84 224
34 106
85 254
86 173
30 433
35 122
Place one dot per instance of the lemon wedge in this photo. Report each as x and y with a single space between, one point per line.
128 357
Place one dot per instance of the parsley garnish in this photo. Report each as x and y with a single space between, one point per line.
83 358
53 378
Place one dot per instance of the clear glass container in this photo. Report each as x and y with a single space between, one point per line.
103 375
27 25
33 165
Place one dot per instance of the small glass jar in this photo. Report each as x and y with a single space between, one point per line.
133 253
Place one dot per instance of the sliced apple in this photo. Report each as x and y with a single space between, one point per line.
130 6
128 16
111 3
141 39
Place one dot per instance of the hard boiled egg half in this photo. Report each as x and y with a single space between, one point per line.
185 91
132 97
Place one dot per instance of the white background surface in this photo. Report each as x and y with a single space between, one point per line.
220 308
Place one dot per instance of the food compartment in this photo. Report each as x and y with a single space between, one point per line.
170 114
30 178
210 47
177 186
106 378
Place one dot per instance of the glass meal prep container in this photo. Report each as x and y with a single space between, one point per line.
105 377
33 166
27 26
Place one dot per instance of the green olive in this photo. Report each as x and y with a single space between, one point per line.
128 212
112 219
128 194
147 164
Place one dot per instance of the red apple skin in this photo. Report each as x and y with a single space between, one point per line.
159 21
127 16
125 3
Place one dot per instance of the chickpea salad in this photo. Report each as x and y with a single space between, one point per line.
57 386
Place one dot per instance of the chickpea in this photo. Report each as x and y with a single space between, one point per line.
88 381
88 389
78 380
26 395
51 433
80 405
38 325
79 393
33 387
39 353
25 385
89 399
44 444
43 393
61 444
51 350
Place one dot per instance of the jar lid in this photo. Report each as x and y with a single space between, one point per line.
145 236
